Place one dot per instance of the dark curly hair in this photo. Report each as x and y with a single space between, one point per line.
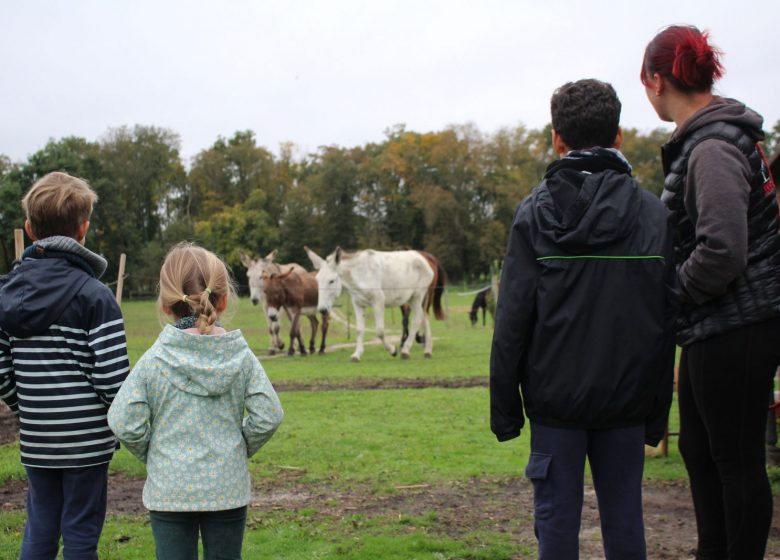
586 113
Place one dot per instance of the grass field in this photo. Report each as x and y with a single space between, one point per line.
376 441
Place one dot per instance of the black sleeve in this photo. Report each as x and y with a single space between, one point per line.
515 313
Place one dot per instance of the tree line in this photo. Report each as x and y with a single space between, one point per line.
451 192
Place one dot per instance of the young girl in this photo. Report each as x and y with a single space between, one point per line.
181 411
722 202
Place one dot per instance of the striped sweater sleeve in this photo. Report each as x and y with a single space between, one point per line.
106 340
7 379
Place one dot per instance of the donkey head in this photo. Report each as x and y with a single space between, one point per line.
254 273
328 280
274 292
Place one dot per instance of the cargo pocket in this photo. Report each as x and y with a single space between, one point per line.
537 471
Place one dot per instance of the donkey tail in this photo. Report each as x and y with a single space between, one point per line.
438 290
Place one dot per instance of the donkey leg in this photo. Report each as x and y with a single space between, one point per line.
379 318
428 348
314 326
293 334
299 335
404 323
360 327
325 324
273 330
417 312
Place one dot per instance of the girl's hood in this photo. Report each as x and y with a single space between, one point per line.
204 365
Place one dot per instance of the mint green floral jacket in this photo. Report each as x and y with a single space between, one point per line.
181 411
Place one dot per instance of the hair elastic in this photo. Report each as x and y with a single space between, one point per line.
184 298
208 291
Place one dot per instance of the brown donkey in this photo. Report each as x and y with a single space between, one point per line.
297 293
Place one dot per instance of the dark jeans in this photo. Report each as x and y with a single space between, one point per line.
723 386
69 502
556 468
176 534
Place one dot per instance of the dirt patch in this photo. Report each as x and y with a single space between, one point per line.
501 505
367 383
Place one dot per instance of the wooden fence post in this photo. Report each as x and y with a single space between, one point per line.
18 243
120 279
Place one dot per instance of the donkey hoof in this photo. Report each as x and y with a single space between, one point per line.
428 355
394 352
321 352
281 346
404 355
272 352
355 359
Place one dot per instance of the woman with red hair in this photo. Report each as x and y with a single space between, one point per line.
721 197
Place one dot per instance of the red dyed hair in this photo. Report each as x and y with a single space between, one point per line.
683 55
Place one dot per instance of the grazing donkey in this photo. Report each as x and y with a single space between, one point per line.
254 272
297 294
376 279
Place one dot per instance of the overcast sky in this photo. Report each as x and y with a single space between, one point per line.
341 72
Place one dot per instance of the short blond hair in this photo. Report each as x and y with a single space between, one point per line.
57 204
192 282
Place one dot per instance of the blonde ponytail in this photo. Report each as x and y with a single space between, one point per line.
192 283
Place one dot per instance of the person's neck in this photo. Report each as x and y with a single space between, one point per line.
687 105
214 330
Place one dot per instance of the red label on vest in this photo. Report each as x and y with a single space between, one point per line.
766 172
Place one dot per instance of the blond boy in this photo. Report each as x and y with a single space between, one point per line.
63 358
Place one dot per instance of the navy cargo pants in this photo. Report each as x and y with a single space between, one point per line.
556 468
68 502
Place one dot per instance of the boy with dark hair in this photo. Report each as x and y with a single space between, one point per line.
584 329
63 358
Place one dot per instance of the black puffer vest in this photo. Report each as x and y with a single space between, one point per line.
755 295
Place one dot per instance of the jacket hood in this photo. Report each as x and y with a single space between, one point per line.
723 109
34 294
587 200
204 365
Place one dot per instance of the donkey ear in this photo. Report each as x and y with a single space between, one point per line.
337 255
270 256
316 260
246 260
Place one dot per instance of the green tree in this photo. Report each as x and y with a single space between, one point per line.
644 154
11 216
332 182
772 142
229 172
145 181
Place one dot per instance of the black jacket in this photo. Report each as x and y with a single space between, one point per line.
723 204
586 305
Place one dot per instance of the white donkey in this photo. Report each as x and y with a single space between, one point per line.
254 273
376 279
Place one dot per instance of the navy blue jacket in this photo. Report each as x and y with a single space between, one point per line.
63 357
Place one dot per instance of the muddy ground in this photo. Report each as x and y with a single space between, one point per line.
488 504
494 504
